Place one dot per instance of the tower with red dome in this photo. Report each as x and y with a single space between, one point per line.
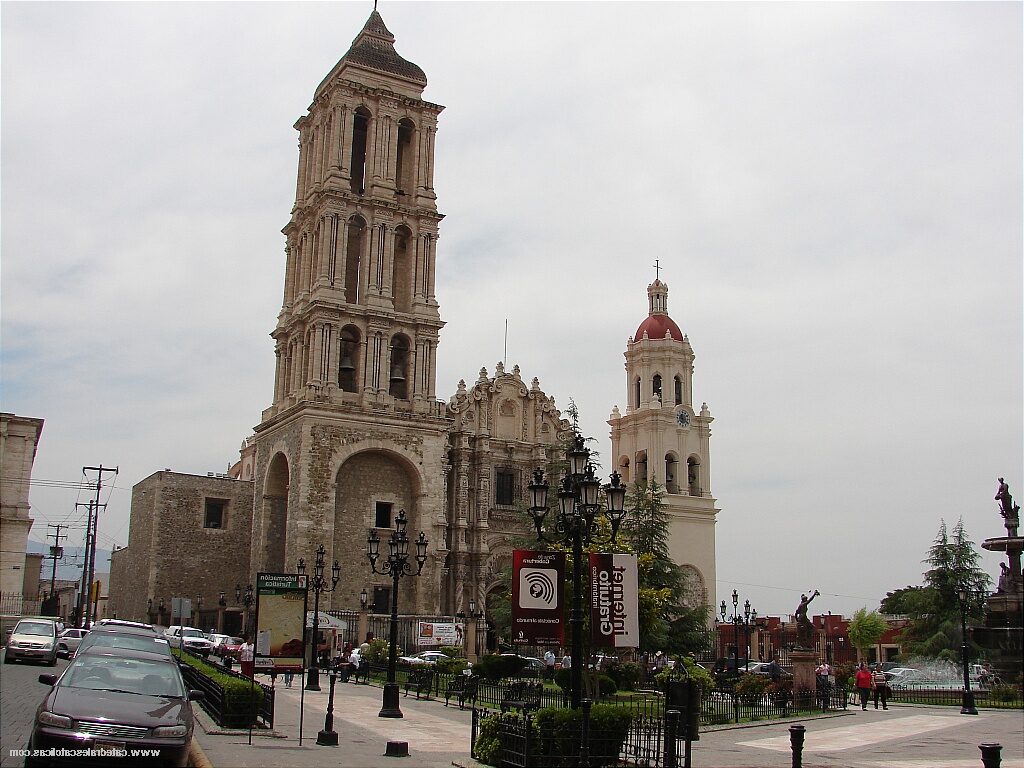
662 438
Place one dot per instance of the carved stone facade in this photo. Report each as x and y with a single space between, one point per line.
663 438
19 437
502 430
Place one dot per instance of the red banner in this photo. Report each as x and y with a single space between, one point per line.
537 581
614 616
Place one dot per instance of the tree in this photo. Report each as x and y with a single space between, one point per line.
934 608
866 629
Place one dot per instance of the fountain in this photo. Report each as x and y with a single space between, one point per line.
1002 637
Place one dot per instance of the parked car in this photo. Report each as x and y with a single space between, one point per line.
428 658
757 668
33 640
124 623
900 677
532 667
189 639
116 699
68 640
137 638
231 647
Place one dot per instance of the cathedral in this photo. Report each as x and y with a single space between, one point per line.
355 431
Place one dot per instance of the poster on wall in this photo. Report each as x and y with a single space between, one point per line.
432 634
537 586
280 621
614 618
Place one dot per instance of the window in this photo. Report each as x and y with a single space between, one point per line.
382 514
360 127
504 488
349 354
397 379
679 390
656 386
381 600
214 513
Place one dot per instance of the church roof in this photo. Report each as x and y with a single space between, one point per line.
656 325
374 49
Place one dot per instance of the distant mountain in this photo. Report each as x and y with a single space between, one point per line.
70 567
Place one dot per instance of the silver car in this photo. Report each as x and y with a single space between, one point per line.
68 642
33 640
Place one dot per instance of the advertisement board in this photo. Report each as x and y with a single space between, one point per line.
537 587
431 634
280 621
614 619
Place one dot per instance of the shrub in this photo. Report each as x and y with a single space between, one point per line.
455 651
242 698
377 653
561 729
687 667
844 673
497 667
562 678
606 686
1004 692
751 688
626 674
451 666
488 738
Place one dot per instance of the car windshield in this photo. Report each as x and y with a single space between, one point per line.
192 633
236 641
114 640
44 628
141 676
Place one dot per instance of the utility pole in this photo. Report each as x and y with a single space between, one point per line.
89 571
83 592
56 553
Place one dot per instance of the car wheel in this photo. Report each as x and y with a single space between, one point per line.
7 658
52 662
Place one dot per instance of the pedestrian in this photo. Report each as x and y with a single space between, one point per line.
246 656
821 675
289 675
774 669
863 682
881 687
567 661
659 662
353 662
549 664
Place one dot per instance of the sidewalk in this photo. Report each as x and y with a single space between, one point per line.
438 736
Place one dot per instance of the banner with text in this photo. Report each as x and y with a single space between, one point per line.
614 618
537 580
280 629
432 634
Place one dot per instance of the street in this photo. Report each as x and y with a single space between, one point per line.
20 694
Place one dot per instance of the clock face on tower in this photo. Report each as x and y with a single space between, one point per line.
683 419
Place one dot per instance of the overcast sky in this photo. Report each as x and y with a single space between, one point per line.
833 190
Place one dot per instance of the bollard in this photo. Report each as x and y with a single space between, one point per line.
990 755
328 737
671 734
796 742
397 749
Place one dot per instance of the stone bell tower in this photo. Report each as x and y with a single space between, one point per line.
663 438
355 432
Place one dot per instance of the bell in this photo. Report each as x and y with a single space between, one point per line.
397 374
346 362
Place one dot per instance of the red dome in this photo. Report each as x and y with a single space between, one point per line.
656 326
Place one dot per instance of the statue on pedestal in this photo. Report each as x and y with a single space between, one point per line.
1009 511
804 628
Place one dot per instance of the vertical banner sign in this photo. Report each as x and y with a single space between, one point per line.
537 579
614 619
280 621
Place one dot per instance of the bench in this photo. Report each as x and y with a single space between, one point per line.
465 687
522 695
362 672
420 680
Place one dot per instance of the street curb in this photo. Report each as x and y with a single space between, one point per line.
196 757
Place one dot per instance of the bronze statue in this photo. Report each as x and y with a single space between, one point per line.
1004 498
804 628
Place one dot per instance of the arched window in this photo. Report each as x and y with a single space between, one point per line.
360 129
636 392
349 359
624 469
671 470
398 376
641 466
693 475
679 390
401 275
656 385
353 255
404 164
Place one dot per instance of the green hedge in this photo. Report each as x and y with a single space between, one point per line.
242 699
496 667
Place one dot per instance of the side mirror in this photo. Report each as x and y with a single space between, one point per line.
192 695
48 679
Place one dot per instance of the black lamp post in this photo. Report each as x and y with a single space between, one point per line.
247 599
737 620
319 585
967 708
396 566
578 507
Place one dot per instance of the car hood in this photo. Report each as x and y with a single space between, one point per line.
124 708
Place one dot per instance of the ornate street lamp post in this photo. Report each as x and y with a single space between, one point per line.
967 704
396 566
737 620
247 600
319 585
578 507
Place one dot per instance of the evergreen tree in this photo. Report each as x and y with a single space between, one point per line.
934 608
